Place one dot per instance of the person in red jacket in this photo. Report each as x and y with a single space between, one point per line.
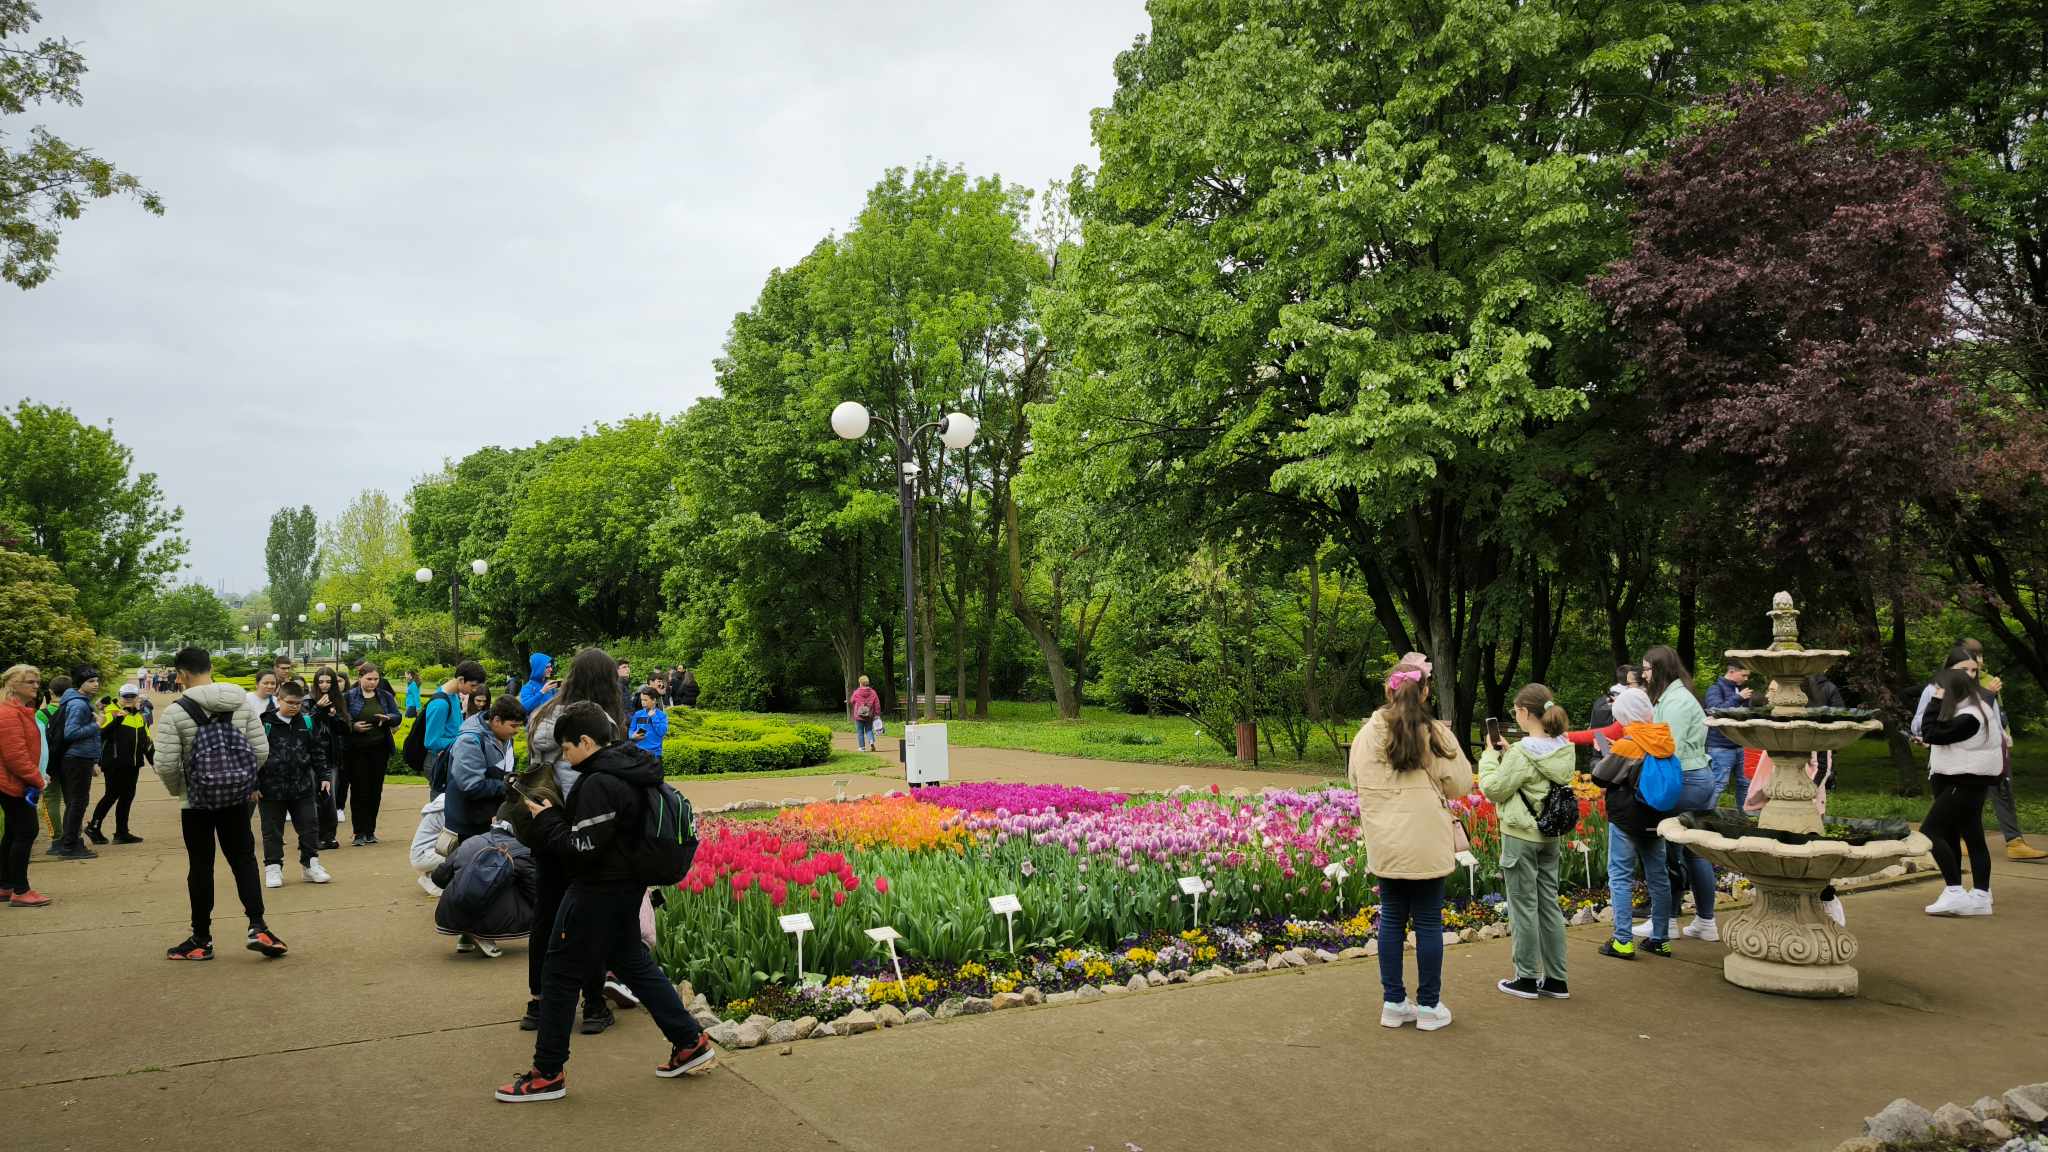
21 780
866 708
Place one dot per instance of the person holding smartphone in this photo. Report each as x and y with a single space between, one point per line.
1517 777
650 723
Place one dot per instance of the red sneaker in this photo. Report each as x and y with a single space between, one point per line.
260 940
681 1060
534 1086
28 898
191 949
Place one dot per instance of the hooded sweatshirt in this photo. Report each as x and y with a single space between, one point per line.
469 906
603 812
1518 779
477 770
81 726
175 731
535 693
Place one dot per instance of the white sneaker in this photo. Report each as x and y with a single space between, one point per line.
1979 903
273 875
1642 931
1395 1015
1834 911
1701 930
1951 902
427 886
314 873
341 815
1431 1019
489 949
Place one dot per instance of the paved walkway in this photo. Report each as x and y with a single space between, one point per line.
374 1034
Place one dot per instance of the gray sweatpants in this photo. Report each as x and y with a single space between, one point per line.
2002 804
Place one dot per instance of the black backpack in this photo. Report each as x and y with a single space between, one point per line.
1559 812
415 749
659 855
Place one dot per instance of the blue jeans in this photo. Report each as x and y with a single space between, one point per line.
1623 850
864 734
1698 793
1420 904
1726 764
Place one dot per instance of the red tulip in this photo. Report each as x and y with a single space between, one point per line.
882 885
838 899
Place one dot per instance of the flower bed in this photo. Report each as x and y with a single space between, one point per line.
705 742
1096 875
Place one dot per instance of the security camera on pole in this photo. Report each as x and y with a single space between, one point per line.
923 747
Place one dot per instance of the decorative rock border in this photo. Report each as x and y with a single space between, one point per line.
2013 1122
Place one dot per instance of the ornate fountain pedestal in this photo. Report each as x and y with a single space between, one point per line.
1783 942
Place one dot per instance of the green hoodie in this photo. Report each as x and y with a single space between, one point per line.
1528 769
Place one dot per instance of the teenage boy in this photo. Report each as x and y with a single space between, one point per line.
598 925
124 749
284 669
1724 756
477 771
650 723
224 707
442 715
301 760
79 719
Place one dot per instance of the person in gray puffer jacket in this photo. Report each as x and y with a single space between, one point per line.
487 891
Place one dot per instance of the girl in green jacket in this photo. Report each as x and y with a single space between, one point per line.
1516 778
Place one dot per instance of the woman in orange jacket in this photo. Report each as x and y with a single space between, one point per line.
21 780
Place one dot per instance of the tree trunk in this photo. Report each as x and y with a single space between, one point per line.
1020 604
1312 693
1546 623
985 635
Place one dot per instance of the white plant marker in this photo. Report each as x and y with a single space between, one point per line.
1471 864
1007 907
889 936
1336 872
798 923
1585 852
1194 886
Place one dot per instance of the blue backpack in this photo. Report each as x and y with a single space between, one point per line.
1659 782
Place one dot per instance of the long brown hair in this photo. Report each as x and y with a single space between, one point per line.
1957 686
1412 732
1542 702
593 676
1666 669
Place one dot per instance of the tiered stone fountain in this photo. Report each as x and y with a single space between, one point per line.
1783 942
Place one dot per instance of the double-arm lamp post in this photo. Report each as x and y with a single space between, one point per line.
851 421
321 608
426 576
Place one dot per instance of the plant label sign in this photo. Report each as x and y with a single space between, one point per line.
1467 860
1336 871
1001 905
798 922
1193 885
889 936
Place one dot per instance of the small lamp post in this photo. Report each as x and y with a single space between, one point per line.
426 576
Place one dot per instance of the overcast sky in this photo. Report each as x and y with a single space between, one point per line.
398 231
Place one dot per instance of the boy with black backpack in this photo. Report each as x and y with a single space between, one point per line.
623 830
209 748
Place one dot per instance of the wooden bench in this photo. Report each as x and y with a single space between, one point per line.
941 704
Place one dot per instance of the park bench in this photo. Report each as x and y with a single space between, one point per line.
940 704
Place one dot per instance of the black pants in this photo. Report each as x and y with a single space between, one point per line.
323 811
15 840
551 883
341 784
1957 815
229 827
303 811
366 787
598 927
75 776
120 796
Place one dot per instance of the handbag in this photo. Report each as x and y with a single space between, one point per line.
1461 840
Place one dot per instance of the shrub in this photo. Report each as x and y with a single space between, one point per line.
700 743
729 679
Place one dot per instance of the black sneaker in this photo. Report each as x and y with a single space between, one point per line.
681 1060
192 949
331 845
598 1022
93 833
1657 947
357 842
615 990
79 852
1618 950
1521 987
534 1086
531 1021
371 839
261 940
127 838
56 847
1553 990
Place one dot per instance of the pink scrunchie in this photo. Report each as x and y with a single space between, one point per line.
1402 676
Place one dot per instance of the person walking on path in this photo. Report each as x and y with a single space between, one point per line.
1517 777
372 715
1679 710
865 707
592 677
441 720
1730 690
124 749
329 709
412 694
598 924
53 754
1967 750
1969 653
294 775
1632 826
213 741
21 778
1406 765
541 684
79 718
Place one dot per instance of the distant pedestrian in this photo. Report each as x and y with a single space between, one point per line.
1517 778
866 708
53 755
649 725
372 716
626 704
124 751
80 721
686 688
22 779
1406 766
412 693
542 686
1731 690
1967 751
208 751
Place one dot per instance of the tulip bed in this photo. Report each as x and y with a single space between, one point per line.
1097 875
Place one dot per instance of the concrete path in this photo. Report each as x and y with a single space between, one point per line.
375 1035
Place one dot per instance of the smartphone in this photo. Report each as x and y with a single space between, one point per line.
522 793
1493 732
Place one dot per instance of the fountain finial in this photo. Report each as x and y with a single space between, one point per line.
1784 623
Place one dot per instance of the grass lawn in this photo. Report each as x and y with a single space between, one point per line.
1102 734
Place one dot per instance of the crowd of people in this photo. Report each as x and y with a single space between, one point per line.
1655 757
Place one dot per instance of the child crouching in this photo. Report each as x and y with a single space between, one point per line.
487 891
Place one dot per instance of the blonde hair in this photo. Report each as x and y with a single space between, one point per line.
13 675
863 681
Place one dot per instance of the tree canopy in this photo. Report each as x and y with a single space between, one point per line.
291 558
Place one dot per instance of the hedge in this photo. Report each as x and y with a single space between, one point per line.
700 743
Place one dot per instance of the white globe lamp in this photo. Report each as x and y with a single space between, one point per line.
850 420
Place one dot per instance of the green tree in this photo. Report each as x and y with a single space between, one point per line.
40 622
366 553
291 558
192 615
464 513
44 180
1332 284
68 489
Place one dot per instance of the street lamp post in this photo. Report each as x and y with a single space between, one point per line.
321 608
308 641
956 430
276 626
426 576
245 638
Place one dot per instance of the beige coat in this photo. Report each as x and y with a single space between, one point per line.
1401 815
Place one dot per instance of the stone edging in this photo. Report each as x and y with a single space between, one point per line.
2014 1122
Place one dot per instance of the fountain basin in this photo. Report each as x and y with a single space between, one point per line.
1789 663
1795 736
1783 942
